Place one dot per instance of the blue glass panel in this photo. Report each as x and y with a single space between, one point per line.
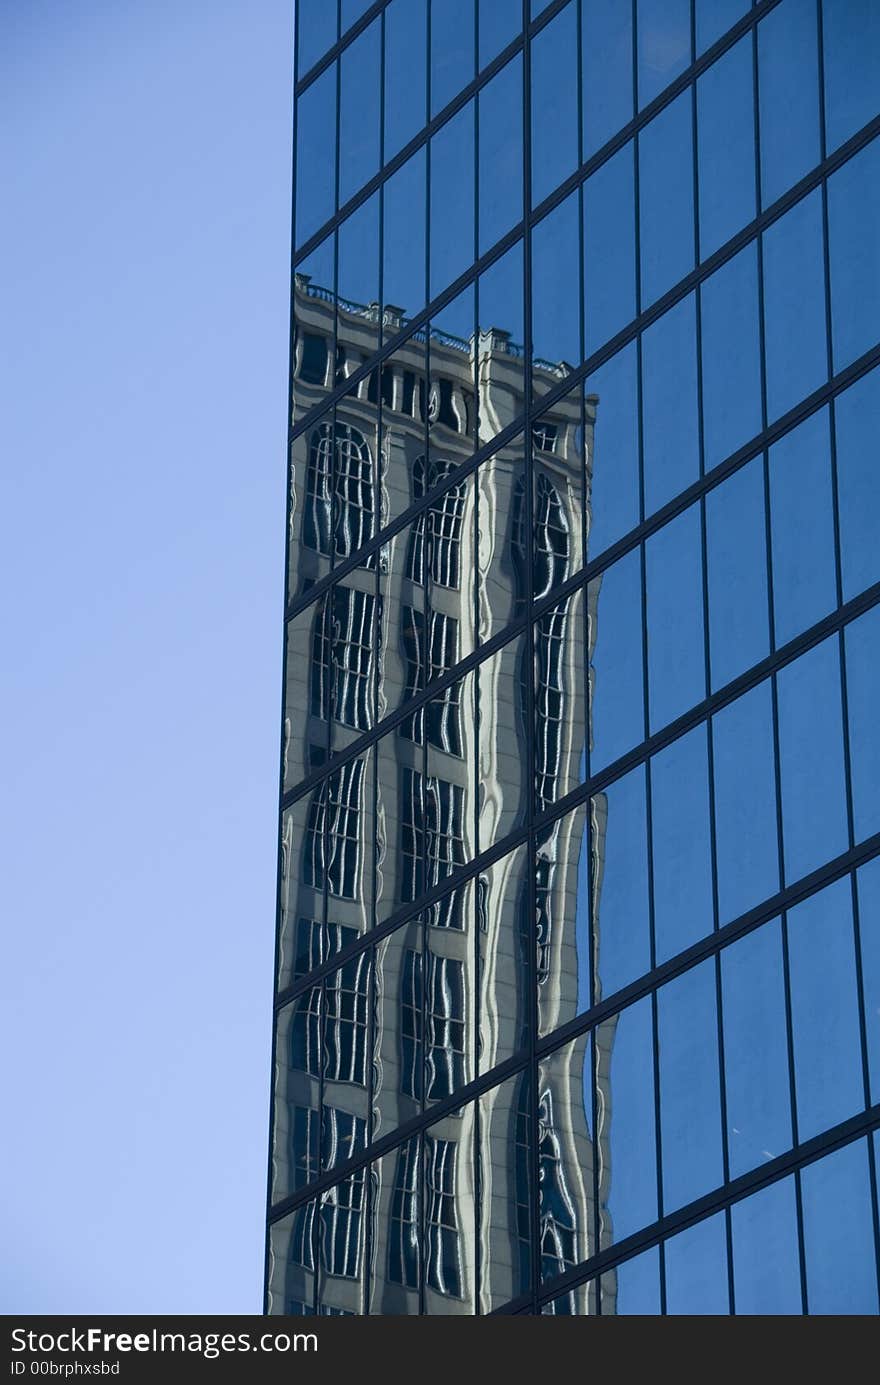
681 848
452 199
862 639
854 255
404 198
731 357
633 1289
812 782
736 557
316 32
500 22
766 1263
620 925
788 94
755 1050
359 118
690 1100
726 145
358 263
625 1107
745 803
406 66
316 155
666 199
714 18
851 40
352 11
556 288
824 1010
609 249
670 432
696 1269
802 528
607 70
452 50
869 936
555 118
613 466
839 1233
794 306
676 660
858 483
501 171
617 713
664 44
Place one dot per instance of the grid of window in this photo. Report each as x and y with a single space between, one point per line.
642 242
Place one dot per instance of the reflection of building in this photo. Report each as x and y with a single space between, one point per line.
405 1025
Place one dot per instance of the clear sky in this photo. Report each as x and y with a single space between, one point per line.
143 325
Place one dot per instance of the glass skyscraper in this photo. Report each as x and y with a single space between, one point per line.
578 964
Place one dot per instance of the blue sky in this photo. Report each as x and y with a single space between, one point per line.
145 245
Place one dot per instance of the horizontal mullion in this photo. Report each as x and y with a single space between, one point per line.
722 1197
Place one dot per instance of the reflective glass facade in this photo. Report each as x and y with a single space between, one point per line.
578 974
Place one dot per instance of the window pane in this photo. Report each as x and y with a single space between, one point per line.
406 39
676 661
869 935
358 283
731 359
397 1231
664 39
506 1192
696 1269
851 39
755 1050
666 199
838 1233
863 698
794 306
726 144
555 141
501 396
566 1158
858 484
562 909
359 118
609 249
681 849
802 528
500 22
504 999
625 1120
620 870
745 803
405 195
766 1264
634 1287
736 555
714 18
501 171
449 1214
824 1010
607 70
316 155
670 430
556 294
811 760
316 32
614 604
613 466
690 1101
452 200
452 50
854 236
788 89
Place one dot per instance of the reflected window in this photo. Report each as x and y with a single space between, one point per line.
432 838
558 1223
333 833
433 995
343 645
339 501
435 541
550 646
443 713
403 1241
342 1205
443 1249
